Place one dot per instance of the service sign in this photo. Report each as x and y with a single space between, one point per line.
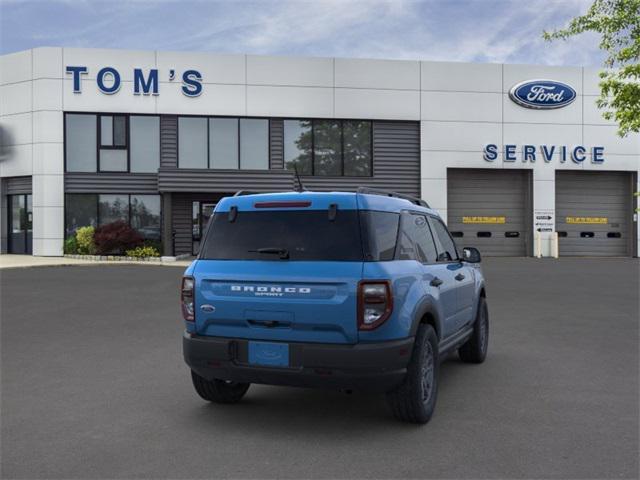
542 94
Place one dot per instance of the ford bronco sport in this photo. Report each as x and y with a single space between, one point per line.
361 290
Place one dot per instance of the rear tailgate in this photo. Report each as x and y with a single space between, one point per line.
275 300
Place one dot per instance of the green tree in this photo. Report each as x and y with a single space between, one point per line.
618 23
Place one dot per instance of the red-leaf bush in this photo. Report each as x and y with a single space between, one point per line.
116 238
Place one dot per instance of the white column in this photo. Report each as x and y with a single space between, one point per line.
544 200
48 153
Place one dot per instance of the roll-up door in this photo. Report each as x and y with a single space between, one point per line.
593 213
490 210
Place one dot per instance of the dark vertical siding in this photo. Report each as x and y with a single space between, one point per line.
167 224
396 162
181 216
276 143
181 213
168 141
18 185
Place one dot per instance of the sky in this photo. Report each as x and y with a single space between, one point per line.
499 31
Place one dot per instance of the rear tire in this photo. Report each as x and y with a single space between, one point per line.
475 349
219 391
415 399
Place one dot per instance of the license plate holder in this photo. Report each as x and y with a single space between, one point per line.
269 354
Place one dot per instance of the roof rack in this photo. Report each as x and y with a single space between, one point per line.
387 193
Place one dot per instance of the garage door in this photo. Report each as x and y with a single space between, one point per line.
490 210
593 213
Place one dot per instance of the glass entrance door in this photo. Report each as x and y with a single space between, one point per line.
20 224
201 213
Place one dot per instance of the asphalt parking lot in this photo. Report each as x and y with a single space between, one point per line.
94 386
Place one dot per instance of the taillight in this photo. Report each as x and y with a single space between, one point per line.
186 298
375 303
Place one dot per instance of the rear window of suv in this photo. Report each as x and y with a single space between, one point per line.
303 235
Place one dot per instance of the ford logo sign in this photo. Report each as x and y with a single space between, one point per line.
542 94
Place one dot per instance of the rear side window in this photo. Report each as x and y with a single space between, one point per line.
380 232
416 242
444 243
304 234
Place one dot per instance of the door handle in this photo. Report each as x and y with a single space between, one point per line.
436 282
459 277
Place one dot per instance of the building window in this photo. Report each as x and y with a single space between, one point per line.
141 212
81 210
254 144
357 148
112 208
192 142
223 143
145 215
328 147
145 143
80 142
112 143
297 146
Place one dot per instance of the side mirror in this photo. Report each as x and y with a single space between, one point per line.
471 255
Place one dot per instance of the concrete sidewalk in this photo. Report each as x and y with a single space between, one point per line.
26 261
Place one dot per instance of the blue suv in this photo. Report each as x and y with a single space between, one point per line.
361 291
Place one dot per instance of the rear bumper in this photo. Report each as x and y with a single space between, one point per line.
369 367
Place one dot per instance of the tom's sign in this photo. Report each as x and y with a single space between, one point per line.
109 81
542 94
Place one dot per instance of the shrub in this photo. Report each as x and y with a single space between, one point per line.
145 251
71 245
84 240
116 238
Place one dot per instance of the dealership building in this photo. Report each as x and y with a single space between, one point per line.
514 157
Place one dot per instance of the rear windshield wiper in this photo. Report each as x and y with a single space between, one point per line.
282 252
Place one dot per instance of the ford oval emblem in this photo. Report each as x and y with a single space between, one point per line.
542 94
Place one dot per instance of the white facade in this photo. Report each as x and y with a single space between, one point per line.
461 107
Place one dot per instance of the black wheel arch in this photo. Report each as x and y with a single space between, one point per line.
427 314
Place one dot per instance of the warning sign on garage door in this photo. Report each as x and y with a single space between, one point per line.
544 220
493 220
588 220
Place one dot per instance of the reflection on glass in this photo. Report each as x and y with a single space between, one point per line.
327 144
357 148
81 211
145 215
297 146
17 213
112 208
